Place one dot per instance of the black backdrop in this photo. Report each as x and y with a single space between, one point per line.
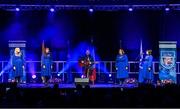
106 27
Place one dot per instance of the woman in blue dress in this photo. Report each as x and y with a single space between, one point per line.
46 66
146 71
18 65
121 67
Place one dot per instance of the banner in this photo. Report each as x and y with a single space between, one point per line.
167 64
22 46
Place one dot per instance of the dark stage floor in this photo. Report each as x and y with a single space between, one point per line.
99 95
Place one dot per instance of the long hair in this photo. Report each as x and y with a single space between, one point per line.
149 52
122 51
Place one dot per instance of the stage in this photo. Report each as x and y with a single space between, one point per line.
73 86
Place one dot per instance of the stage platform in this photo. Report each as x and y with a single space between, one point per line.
72 86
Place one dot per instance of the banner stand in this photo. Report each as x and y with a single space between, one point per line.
167 64
22 46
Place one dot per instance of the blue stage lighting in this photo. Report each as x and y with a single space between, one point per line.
82 76
91 10
130 9
33 76
110 75
58 74
52 10
1 72
167 9
17 9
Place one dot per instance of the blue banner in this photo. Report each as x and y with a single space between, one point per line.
12 46
167 65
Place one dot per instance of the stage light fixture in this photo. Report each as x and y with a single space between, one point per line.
33 76
52 9
17 9
167 9
130 9
110 75
82 76
91 10
58 74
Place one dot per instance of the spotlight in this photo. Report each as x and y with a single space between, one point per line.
91 10
110 75
58 74
167 9
130 9
33 76
82 76
52 10
17 9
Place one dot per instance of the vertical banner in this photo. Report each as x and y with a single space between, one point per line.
22 46
167 65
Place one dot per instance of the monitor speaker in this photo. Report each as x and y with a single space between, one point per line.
82 81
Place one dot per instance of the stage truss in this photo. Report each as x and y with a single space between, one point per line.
29 7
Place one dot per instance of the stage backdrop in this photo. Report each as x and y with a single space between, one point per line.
167 66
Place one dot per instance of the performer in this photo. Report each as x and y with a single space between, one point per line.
18 64
121 67
146 72
46 65
87 63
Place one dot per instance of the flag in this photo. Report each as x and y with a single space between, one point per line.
141 50
43 47
120 45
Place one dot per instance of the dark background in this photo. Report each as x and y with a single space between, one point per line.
106 28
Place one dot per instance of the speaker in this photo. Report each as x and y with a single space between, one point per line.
82 81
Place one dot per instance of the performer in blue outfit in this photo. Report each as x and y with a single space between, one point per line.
121 67
46 64
145 71
18 65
